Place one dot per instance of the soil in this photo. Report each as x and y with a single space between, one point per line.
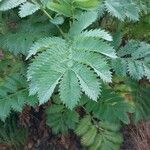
40 137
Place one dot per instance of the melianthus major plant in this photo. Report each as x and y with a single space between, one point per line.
60 53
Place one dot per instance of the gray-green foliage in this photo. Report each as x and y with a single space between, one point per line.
123 9
70 8
19 41
61 119
140 97
14 95
99 135
74 64
28 8
9 4
133 59
111 107
71 63
12 134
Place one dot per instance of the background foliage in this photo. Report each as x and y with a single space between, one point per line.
86 62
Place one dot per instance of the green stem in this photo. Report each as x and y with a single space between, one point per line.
50 17
47 14
94 122
0 16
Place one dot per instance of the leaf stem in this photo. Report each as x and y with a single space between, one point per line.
93 120
50 17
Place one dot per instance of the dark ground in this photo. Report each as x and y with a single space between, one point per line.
40 137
